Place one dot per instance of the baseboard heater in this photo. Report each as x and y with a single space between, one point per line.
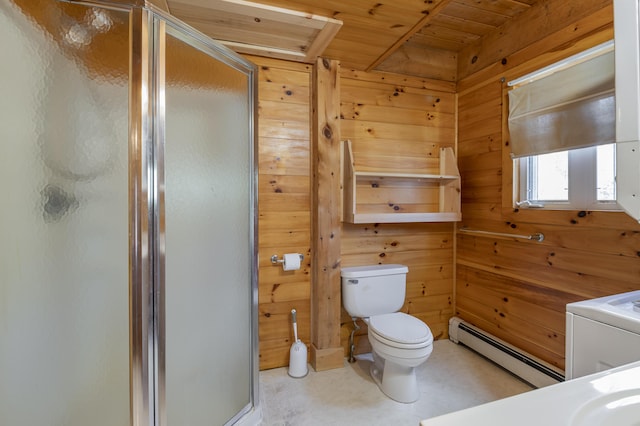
529 368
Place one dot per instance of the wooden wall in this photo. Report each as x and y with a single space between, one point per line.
284 203
386 114
518 289
514 289
380 112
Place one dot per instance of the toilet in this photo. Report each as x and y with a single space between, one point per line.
399 342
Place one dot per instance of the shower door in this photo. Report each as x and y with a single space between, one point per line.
207 231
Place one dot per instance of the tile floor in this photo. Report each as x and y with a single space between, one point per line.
453 378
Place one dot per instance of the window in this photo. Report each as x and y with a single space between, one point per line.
562 131
579 179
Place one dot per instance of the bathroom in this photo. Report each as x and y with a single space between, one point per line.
514 289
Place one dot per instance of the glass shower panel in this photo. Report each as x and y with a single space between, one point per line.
64 306
208 174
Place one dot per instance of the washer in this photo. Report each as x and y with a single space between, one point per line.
602 333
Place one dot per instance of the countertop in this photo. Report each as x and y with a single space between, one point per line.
610 397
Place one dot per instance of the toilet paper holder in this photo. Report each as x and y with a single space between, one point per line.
275 260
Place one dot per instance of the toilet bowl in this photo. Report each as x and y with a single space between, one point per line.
399 342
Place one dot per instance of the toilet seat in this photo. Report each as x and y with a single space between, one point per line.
395 345
400 330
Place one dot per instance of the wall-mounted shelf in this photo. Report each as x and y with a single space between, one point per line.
259 29
395 196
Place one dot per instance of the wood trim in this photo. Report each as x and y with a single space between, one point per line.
322 40
261 11
509 184
268 51
348 183
326 359
326 350
428 16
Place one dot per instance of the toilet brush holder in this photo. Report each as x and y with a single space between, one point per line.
298 360
298 353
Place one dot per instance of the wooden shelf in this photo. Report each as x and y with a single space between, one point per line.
259 29
395 196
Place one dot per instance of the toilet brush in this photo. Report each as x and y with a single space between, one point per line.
298 353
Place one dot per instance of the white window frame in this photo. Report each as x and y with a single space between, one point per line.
582 191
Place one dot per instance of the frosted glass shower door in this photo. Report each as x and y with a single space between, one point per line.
64 242
208 168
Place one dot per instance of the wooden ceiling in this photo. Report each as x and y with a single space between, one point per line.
446 40
414 37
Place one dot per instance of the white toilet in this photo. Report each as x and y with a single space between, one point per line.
399 341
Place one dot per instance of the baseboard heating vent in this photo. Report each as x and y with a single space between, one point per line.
520 363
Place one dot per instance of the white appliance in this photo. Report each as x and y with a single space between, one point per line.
602 333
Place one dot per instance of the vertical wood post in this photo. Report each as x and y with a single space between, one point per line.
326 351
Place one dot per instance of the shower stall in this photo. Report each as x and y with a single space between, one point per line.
128 288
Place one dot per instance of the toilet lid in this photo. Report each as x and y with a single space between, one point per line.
400 327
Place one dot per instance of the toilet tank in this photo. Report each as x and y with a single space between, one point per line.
373 290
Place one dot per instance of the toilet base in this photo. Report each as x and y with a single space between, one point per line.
396 381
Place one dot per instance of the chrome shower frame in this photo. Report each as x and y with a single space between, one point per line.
148 26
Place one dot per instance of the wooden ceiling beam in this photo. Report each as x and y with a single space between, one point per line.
428 16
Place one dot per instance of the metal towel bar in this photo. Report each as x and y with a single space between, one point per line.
538 236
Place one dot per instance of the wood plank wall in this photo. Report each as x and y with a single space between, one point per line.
518 289
284 203
380 112
514 289
390 114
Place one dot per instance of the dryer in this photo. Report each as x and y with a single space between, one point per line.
602 333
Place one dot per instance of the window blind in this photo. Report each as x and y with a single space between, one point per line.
567 109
